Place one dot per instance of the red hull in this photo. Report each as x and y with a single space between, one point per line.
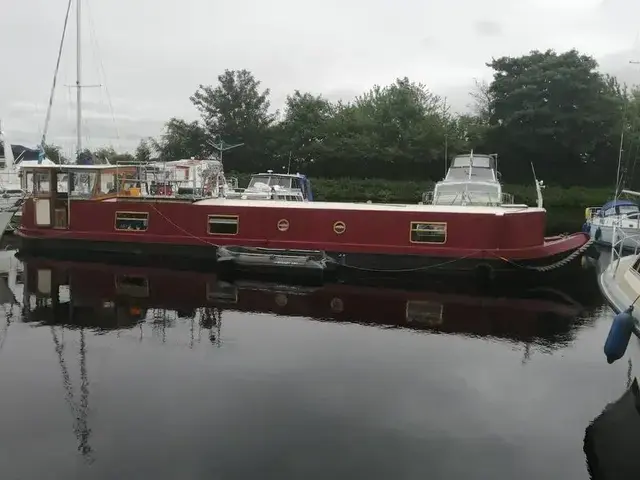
95 284
470 233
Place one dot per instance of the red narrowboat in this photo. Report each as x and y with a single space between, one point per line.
77 209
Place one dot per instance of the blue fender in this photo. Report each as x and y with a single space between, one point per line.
619 335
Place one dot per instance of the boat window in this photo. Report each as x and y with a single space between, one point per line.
423 232
132 285
222 292
619 210
82 183
270 180
108 183
636 265
223 224
37 182
137 221
424 312
481 161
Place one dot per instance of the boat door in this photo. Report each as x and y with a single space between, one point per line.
37 183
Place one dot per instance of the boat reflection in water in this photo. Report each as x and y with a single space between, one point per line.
611 441
109 297
101 299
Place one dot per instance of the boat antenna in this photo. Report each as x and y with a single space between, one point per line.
221 146
289 165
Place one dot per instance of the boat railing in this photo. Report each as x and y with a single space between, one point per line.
232 183
286 194
622 242
466 198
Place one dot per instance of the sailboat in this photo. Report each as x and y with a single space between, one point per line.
11 193
617 222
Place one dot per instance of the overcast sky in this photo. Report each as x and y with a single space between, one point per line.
150 55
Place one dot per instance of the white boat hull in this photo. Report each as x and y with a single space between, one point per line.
631 236
5 219
620 286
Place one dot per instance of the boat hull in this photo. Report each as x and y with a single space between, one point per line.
618 285
372 239
342 264
603 235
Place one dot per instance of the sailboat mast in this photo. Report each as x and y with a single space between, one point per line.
78 77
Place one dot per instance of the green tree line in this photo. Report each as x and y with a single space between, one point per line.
552 110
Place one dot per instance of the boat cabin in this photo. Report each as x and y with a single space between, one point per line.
613 208
276 186
471 180
52 188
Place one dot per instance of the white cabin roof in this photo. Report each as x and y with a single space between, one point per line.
75 167
386 207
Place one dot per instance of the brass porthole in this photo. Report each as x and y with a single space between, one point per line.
337 305
283 225
339 227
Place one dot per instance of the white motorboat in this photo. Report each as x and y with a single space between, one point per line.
619 283
471 179
275 186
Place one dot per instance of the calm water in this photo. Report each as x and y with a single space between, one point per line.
134 373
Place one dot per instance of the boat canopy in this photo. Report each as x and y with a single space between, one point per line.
613 207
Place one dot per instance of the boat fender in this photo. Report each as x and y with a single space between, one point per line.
619 335
598 234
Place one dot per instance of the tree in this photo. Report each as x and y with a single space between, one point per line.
104 155
482 100
235 106
181 139
236 111
54 153
397 131
143 151
630 153
303 130
556 111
